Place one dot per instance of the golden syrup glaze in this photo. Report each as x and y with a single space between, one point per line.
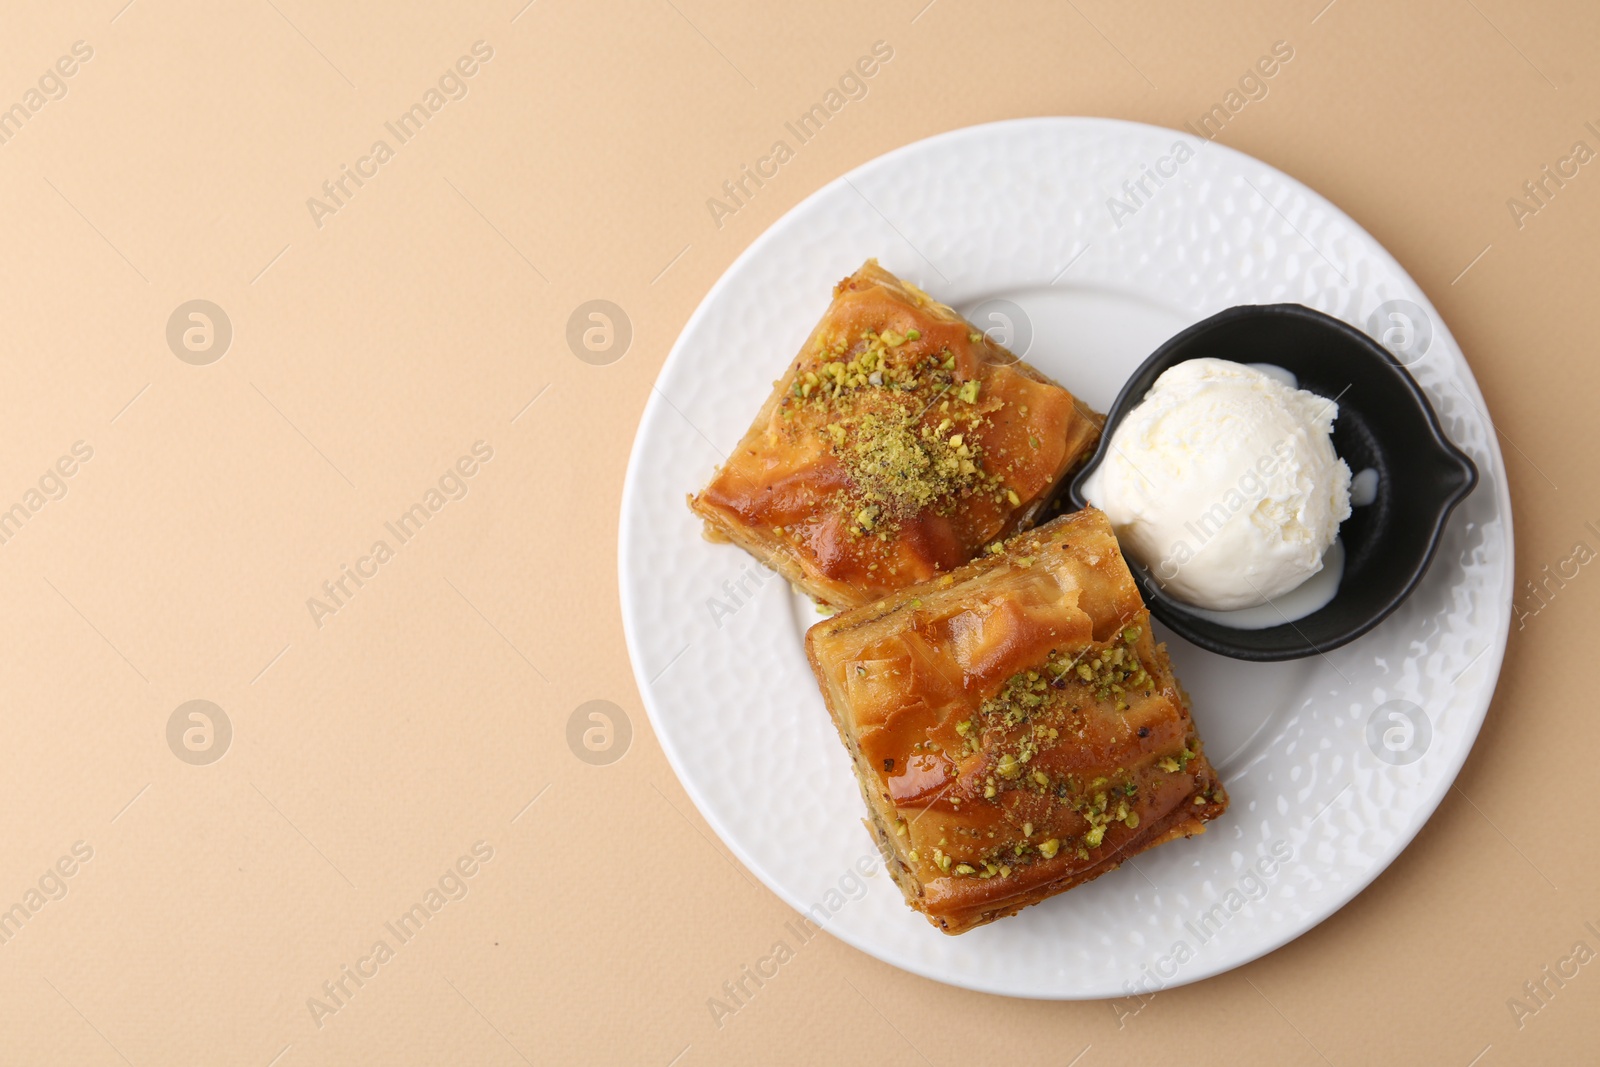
927 442
1022 724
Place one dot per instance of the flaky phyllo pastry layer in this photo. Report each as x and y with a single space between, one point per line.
1015 728
899 443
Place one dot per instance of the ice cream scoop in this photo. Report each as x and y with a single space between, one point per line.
1385 424
1224 483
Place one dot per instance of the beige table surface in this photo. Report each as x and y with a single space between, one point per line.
387 739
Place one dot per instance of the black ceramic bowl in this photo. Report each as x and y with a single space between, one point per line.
1385 422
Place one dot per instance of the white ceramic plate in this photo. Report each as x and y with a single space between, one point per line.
1333 762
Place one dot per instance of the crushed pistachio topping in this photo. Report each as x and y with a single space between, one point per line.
901 466
904 425
1028 714
1175 765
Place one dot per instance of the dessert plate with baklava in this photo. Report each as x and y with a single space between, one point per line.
1066 558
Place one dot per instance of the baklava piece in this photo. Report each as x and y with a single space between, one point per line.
899 443
1015 727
